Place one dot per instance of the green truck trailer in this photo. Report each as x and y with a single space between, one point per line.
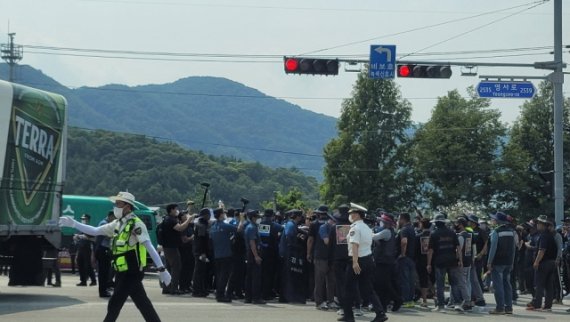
33 132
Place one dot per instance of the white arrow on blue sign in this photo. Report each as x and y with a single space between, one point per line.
499 89
382 62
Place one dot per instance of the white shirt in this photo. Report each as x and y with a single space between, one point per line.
139 232
361 235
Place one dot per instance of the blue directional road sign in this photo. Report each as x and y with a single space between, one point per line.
490 89
382 61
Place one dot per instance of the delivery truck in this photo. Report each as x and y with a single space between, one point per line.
33 133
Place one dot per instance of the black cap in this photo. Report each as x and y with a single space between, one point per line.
231 212
86 216
474 219
343 209
252 213
461 221
204 212
218 212
268 213
294 213
322 209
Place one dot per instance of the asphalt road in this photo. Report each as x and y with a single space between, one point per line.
72 303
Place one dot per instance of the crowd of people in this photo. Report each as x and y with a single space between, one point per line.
351 259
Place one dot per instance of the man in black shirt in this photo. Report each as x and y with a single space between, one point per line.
444 252
321 256
338 240
544 266
172 240
384 250
406 259
201 260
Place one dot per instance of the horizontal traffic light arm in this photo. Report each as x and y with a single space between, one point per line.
292 64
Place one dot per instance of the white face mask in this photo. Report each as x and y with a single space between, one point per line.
258 221
177 212
118 212
381 224
350 219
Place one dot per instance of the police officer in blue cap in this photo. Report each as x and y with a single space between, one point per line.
269 232
221 234
253 256
293 253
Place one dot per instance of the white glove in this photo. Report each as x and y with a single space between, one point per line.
164 277
67 221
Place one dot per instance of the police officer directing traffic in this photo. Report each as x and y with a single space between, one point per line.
362 269
129 247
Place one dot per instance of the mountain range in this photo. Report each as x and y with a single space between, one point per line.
215 115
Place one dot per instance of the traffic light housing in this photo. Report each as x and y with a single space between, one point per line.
424 71
310 66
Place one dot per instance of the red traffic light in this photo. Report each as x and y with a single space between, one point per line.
424 71
291 64
404 71
310 66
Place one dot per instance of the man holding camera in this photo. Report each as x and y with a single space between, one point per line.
172 240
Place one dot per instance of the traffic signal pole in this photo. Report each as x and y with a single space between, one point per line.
557 79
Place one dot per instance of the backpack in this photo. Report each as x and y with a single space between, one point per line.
160 233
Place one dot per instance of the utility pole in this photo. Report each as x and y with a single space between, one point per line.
557 79
12 54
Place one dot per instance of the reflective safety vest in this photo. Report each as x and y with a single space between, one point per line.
125 256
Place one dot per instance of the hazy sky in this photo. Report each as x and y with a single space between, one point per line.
278 28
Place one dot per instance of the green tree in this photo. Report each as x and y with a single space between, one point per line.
366 163
293 199
455 152
527 180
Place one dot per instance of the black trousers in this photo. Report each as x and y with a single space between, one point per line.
103 256
237 279
130 284
269 268
294 278
223 273
529 273
252 279
385 283
362 281
340 278
200 276
187 270
84 265
545 278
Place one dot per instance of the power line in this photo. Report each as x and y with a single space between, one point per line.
477 28
418 28
265 7
254 56
492 57
156 58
